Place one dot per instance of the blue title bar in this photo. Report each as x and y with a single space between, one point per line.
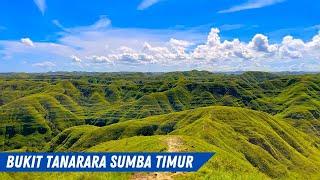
102 162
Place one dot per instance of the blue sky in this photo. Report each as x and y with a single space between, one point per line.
159 35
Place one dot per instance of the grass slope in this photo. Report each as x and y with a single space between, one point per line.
268 144
33 120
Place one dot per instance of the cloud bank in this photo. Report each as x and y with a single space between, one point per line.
100 47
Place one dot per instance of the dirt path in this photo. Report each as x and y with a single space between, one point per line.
174 145
151 176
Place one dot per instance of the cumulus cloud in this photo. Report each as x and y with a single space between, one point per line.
76 59
101 47
260 43
41 4
257 52
292 48
214 49
180 43
251 4
27 42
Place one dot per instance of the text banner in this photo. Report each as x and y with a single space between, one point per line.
102 162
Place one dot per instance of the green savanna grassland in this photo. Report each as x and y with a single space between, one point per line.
261 125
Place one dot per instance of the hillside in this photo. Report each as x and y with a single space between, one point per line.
260 124
268 144
224 167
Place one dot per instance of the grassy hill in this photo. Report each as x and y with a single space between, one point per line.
40 115
265 143
222 167
261 125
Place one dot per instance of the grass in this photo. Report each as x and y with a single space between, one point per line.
261 125
266 143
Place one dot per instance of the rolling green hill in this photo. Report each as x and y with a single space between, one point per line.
40 115
266 143
261 125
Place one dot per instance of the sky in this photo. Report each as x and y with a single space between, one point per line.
159 35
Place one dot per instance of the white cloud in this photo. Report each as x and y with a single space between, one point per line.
99 59
251 4
103 23
102 47
41 4
260 43
27 42
179 43
292 48
258 51
147 3
45 64
76 59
